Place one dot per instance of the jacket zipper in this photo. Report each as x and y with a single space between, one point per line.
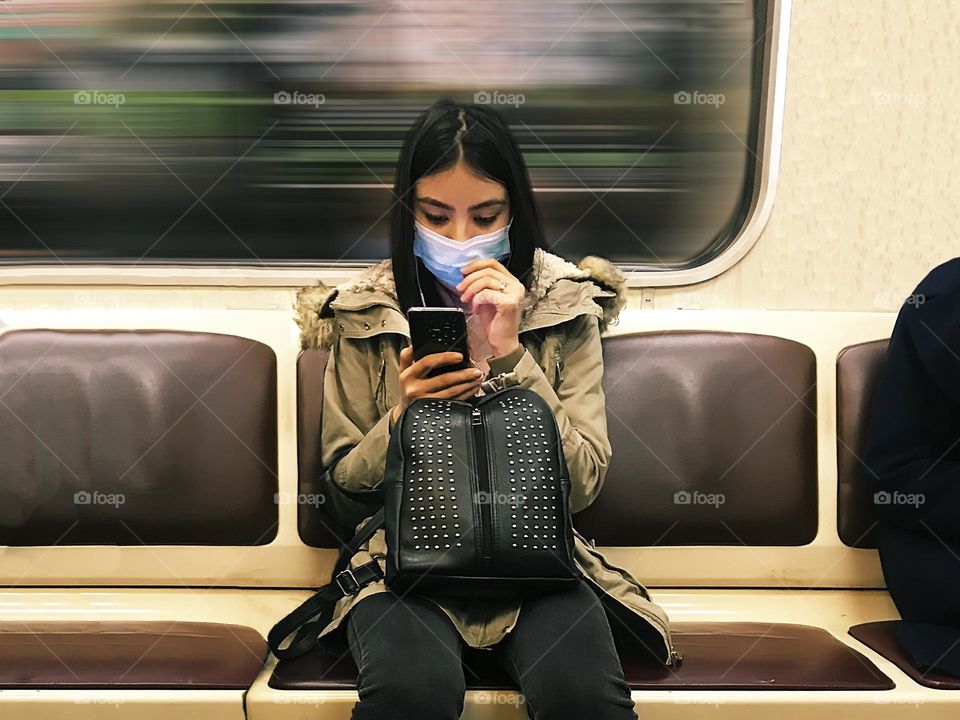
558 362
381 393
483 485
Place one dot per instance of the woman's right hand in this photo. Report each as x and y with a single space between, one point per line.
452 385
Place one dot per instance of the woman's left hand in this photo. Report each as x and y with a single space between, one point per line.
496 296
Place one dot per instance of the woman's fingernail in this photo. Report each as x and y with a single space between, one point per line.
477 373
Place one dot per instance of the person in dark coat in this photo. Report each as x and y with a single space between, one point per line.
912 458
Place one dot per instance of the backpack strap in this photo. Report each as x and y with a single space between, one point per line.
345 581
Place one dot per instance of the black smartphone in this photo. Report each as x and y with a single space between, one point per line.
436 330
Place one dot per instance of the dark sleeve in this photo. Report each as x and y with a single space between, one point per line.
912 456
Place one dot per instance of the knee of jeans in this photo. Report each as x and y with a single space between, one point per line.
582 701
422 690
559 692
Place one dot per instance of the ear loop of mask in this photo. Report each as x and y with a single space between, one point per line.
416 267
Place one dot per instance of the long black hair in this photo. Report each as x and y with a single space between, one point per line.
444 134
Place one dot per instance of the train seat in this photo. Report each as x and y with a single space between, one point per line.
156 513
113 446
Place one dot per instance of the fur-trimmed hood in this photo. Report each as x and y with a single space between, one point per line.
315 305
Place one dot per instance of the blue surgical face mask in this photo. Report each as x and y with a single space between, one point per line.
444 257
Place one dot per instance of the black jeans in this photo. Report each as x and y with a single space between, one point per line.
560 653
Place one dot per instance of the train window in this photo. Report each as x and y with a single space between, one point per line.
265 133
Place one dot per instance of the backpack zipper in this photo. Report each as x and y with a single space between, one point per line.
483 484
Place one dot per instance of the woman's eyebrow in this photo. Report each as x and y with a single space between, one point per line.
478 206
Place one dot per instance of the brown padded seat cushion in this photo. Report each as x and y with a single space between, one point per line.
137 437
858 370
717 656
129 655
714 438
879 637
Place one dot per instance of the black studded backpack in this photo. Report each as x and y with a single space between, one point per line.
476 497
475 503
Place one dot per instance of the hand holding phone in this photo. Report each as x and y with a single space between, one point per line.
439 371
453 385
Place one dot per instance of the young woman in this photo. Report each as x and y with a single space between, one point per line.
466 232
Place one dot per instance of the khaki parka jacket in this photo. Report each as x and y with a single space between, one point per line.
563 314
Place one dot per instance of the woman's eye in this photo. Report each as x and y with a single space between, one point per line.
485 220
435 219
